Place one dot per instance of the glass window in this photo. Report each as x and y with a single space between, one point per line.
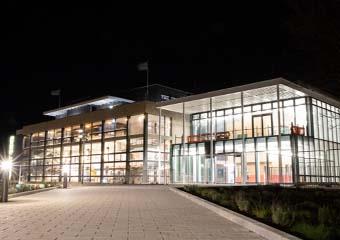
301 116
50 134
288 103
203 126
153 125
56 151
260 144
228 111
67 132
96 148
136 156
26 141
136 144
247 109
237 110
201 148
238 146
300 101
109 134
250 145
75 150
109 147
110 125
120 145
167 126
195 127
195 116
229 146
87 149
121 123
266 106
66 151
238 126
219 147
136 124
57 133
120 157
220 124
192 149
76 130
96 127
49 152
257 108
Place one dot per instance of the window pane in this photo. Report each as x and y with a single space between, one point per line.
136 124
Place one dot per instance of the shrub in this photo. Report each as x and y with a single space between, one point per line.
282 215
319 232
242 202
310 213
326 215
262 212
306 212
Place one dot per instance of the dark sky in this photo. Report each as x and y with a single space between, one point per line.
89 50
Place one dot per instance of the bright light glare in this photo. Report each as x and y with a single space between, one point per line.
6 165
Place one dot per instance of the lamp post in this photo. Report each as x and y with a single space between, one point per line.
6 167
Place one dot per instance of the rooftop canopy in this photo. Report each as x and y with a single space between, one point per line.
253 93
98 102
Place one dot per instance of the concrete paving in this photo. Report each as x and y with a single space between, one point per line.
113 212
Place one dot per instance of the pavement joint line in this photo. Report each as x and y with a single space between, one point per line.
260 228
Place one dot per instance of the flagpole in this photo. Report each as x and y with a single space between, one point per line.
147 80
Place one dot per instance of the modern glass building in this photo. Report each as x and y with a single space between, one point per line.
268 132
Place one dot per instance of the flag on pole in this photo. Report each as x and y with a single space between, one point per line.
55 92
143 66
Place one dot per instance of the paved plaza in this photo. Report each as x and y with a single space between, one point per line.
113 212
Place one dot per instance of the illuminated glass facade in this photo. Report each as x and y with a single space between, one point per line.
275 133
263 133
133 149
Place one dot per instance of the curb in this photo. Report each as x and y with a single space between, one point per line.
14 195
262 229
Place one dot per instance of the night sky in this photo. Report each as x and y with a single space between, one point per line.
89 51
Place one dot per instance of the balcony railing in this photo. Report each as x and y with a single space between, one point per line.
208 136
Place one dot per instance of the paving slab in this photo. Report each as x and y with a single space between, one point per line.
113 212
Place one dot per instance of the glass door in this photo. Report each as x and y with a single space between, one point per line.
267 125
262 125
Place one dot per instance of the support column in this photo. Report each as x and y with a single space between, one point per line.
183 145
102 153
29 158
279 133
243 160
159 148
127 167
145 147
212 159
81 167
44 158
61 153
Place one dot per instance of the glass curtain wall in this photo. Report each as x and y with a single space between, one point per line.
249 134
108 151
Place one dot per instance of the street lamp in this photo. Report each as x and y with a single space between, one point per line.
65 170
6 168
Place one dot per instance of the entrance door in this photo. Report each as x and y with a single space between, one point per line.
225 169
262 125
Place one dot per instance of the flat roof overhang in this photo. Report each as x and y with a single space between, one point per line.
201 102
93 102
